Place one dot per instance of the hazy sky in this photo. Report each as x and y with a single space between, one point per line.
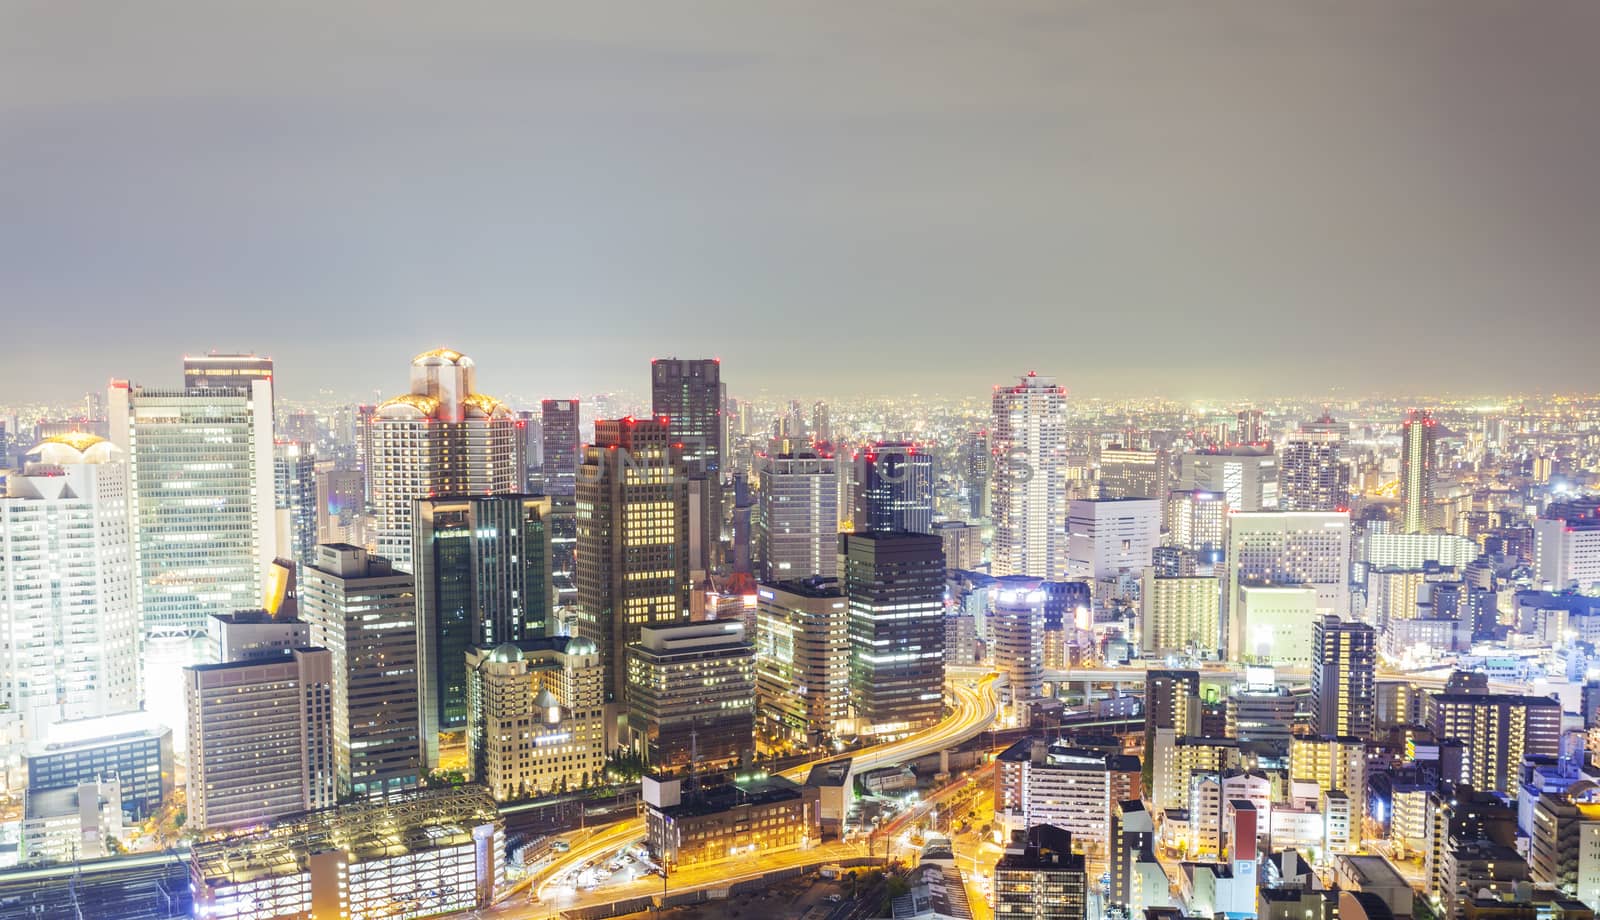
1180 197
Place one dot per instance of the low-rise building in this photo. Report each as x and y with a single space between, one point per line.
130 748
413 854
739 816
72 823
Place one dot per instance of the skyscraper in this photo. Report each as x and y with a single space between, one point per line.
895 586
68 595
260 739
1418 455
1312 475
690 395
979 463
200 475
441 438
482 567
1298 551
633 539
1126 472
558 422
802 660
1017 628
797 523
893 489
1246 475
1344 657
691 694
365 614
294 498
1029 479
217 371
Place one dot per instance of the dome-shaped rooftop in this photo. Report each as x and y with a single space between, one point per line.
73 447
579 645
441 356
546 700
505 653
409 405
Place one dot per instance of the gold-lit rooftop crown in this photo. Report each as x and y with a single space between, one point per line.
77 440
441 356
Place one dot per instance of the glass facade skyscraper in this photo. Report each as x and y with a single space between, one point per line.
200 471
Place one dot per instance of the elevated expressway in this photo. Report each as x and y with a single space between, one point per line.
977 705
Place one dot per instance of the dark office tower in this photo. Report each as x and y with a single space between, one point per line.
821 425
978 463
1312 474
1040 877
633 540
1417 457
294 495
1344 657
365 613
482 573
563 551
689 394
558 429
1172 701
893 489
895 586
213 371
532 451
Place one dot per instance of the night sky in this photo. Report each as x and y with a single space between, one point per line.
1190 198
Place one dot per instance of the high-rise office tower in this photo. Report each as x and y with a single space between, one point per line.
893 489
558 426
1312 475
1197 520
963 545
1111 538
260 739
1304 551
482 567
979 462
365 614
361 434
633 539
1344 659
691 694
1250 427
1017 630
68 594
200 475
1498 730
1566 549
1029 478
821 424
1126 472
441 438
532 451
895 586
537 716
802 660
1418 456
216 371
690 395
1246 475
797 516
294 498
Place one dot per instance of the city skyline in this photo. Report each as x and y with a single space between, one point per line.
292 190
